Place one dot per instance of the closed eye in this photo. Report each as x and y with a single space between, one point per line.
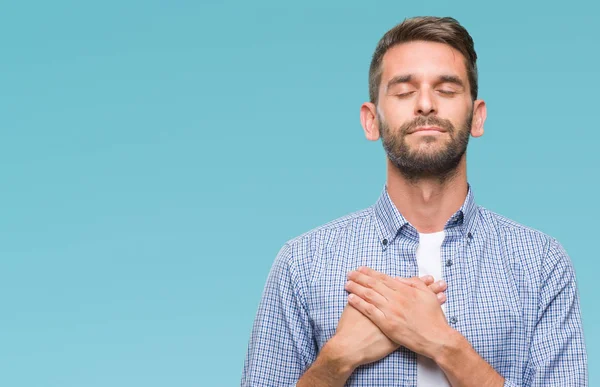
402 95
447 92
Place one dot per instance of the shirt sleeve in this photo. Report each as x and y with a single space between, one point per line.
557 353
281 345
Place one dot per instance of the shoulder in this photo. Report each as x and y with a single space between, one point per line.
333 228
329 233
528 246
301 252
512 230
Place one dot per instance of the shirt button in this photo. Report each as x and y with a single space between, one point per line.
453 320
449 263
384 242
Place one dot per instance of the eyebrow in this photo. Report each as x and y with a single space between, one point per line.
441 79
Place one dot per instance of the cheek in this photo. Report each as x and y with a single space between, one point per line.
458 118
457 111
396 112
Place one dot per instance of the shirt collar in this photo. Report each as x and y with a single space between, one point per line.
390 221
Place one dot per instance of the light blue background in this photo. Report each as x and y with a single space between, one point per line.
155 155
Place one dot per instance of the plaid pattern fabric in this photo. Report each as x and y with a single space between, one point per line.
511 293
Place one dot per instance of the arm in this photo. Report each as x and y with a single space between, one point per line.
557 354
462 364
331 369
281 345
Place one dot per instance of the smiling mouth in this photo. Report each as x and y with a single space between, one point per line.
428 129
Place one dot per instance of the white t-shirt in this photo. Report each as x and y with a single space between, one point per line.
429 261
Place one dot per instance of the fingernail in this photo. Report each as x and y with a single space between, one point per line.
442 283
351 296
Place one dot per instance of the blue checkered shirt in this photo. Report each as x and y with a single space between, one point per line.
511 293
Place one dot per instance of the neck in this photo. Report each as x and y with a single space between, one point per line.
427 203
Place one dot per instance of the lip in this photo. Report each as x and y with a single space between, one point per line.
428 129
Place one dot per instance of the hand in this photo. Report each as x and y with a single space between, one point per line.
361 341
406 311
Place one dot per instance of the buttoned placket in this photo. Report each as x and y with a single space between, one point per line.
450 271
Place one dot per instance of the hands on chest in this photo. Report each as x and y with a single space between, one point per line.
384 313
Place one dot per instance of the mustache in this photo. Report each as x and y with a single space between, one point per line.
427 121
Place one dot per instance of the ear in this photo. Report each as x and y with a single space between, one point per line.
479 116
369 121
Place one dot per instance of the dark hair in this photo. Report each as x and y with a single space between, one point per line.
430 29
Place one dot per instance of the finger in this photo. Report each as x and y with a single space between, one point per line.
370 278
366 293
414 282
441 297
367 309
427 279
366 281
374 273
438 286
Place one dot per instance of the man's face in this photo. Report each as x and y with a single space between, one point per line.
424 85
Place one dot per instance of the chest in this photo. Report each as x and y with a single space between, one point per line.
484 301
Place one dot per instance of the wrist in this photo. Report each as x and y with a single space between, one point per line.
339 357
453 344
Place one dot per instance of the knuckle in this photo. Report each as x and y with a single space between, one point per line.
370 309
390 283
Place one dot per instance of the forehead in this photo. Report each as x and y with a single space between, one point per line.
423 60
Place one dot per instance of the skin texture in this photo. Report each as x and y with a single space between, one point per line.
427 181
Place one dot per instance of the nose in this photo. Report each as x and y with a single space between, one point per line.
425 104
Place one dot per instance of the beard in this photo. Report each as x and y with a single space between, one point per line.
416 164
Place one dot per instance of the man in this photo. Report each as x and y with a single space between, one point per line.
354 303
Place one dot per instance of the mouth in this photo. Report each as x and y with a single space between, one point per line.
428 129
